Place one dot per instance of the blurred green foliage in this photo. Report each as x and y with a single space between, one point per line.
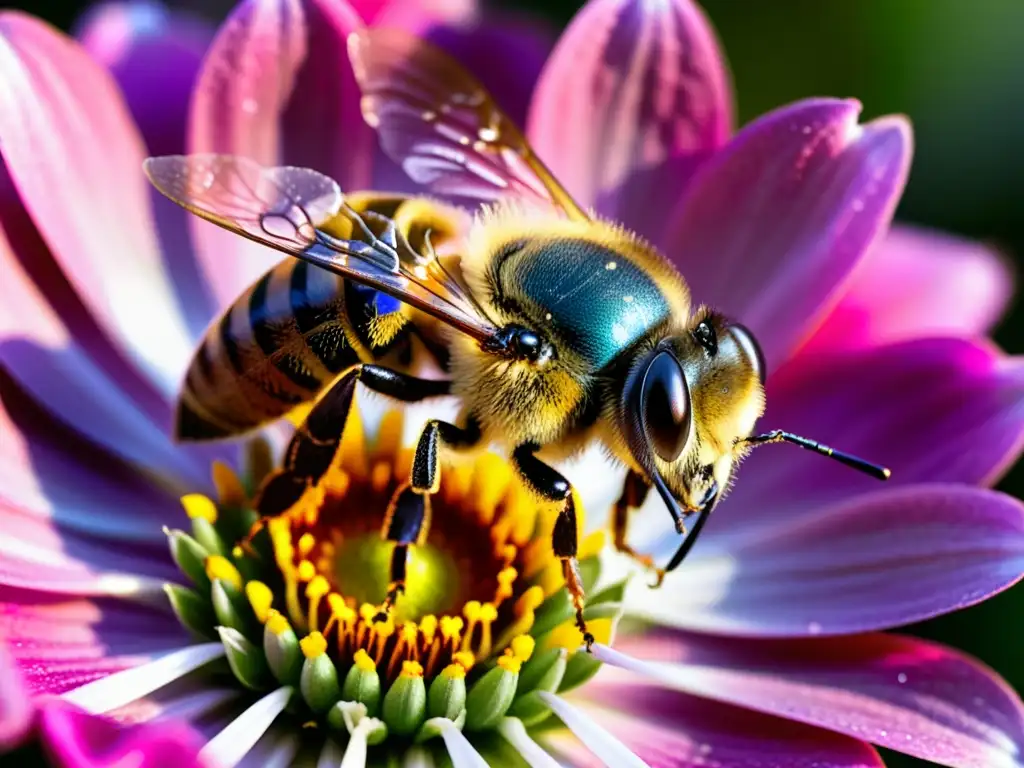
956 69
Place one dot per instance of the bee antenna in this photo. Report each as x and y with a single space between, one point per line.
778 436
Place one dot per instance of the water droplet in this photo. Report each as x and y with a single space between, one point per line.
610 266
249 106
814 628
806 130
428 115
487 134
883 733
901 678
857 205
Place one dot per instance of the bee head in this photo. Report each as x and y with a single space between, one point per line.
689 403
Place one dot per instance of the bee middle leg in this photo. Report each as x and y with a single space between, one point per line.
550 484
634 492
408 518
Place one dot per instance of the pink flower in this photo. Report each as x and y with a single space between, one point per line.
766 646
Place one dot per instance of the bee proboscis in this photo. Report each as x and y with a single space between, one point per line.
556 328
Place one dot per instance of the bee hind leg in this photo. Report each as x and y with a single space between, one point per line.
408 518
550 484
634 492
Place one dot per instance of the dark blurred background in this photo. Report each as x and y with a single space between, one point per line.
957 70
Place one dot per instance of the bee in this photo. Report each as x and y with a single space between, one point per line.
556 328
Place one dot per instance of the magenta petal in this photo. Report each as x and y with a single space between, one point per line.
154 55
15 705
939 410
64 129
901 693
883 560
631 85
917 283
75 739
667 729
277 87
776 221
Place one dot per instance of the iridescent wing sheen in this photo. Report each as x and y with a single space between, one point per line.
441 125
287 207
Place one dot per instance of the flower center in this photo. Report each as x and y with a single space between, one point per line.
299 599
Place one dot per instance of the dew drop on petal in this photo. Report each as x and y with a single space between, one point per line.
249 106
814 628
901 678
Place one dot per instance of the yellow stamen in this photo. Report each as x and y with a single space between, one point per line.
313 645
218 567
522 647
488 614
411 669
363 661
199 507
306 570
464 659
316 590
454 670
510 663
428 626
277 623
229 488
260 598
306 543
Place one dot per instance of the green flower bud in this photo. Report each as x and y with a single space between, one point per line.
207 537
318 680
491 695
405 703
231 607
192 610
447 695
281 647
246 660
362 683
544 672
190 557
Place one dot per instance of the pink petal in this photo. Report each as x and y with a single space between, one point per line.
61 642
41 358
417 16
75 739
898 692
277 87
15 705
917 283
881 560
672 730
154 55
775 222
63 130
940 410
632 87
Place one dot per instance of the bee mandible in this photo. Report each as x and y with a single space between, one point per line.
556 328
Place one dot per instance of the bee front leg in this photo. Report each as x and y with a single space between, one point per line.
634 492
564 538
408 518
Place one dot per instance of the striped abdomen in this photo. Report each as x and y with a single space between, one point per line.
276 347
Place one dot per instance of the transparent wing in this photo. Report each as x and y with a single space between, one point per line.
442 126
286 207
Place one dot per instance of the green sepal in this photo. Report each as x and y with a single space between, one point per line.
190 557
447 696
318 683
489 699
192 610
362 686
207 537
284 656
233 609
246 660
405 705
528 706
590 572
538 668
581 667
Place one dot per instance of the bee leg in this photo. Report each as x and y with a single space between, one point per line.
315 442
564 538
408 518
634 492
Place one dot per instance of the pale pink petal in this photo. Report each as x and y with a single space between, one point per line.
631 89
667 729
917 283
775 222
154 55
75 157
277 87
938 410
61 642
40 357
897 692
15 705
881 560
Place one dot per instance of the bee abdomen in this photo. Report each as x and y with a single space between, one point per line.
273 349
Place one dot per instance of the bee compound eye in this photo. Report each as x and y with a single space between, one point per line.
750 348
666 407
